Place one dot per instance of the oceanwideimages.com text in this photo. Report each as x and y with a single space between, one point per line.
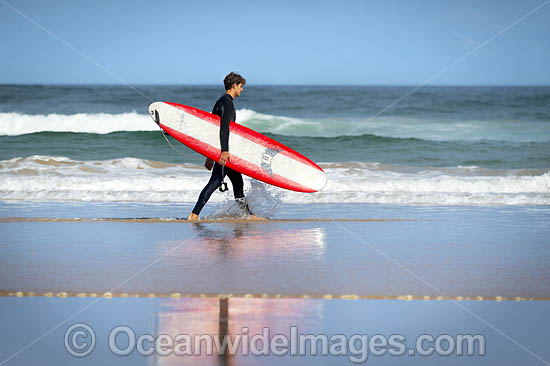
80 341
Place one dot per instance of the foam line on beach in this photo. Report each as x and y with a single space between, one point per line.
178 295
154 220
45 178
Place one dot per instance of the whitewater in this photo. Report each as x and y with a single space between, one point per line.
46 178
14 124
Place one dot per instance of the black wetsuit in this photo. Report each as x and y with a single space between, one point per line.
226 110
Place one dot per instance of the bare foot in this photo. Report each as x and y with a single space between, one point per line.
257 218
193 217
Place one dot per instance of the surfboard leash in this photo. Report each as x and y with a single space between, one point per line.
157 120
223 184
169 143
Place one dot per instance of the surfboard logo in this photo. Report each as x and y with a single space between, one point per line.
267 159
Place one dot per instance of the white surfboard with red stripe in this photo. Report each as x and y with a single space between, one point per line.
252 153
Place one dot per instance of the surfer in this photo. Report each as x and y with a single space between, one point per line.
225 109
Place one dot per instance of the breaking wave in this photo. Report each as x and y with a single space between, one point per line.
49 178
12 124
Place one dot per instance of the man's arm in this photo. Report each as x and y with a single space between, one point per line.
226 109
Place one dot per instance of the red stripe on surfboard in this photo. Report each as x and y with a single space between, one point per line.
247 133
241 165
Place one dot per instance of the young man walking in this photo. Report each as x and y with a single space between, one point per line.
224 108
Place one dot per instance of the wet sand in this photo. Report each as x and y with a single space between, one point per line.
178 220
505 326
435 254
421 269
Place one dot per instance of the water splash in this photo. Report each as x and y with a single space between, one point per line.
261 201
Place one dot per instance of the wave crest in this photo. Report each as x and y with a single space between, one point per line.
331 127
12 124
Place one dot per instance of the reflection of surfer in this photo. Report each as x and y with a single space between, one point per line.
224 108
221 241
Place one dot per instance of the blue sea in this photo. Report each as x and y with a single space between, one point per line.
437 146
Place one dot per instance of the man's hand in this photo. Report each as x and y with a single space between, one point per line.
224 158
208 163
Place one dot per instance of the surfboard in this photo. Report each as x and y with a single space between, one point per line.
252 153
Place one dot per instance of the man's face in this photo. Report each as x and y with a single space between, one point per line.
238 89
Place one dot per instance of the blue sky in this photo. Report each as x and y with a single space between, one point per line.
276 42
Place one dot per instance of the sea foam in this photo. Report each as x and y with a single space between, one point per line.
48 178
102 123
12 124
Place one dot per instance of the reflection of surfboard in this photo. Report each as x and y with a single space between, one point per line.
252 153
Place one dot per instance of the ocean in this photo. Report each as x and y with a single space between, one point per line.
481 146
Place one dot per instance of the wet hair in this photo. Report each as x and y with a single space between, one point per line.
233 78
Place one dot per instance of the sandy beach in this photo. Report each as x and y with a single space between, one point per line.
407 270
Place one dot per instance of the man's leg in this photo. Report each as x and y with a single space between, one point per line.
213 184
236 179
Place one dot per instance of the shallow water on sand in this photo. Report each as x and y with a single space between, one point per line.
512 332
458 252
216 278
